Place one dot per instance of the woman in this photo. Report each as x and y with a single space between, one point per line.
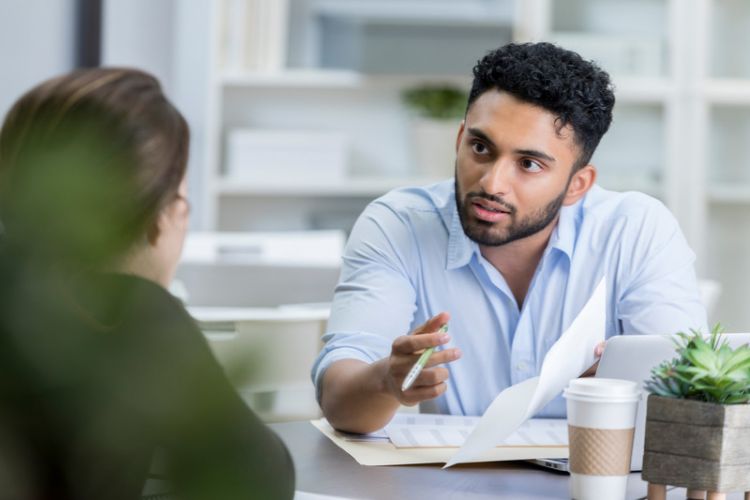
104 378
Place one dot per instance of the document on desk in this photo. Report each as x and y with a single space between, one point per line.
306 495
384 452
570 356
448 430
426 430
412 420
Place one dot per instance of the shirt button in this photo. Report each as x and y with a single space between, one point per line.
521 366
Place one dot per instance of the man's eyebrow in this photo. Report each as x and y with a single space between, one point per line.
535 154
480 135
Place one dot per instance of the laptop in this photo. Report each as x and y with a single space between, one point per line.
631 357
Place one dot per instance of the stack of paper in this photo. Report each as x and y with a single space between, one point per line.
379 450
452 431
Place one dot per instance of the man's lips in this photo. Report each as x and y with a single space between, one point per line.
490 205
489 211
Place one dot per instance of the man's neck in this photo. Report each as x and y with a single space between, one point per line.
517 261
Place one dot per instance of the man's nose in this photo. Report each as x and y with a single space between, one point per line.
498 179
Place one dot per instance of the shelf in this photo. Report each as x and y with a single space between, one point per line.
294 78
728 91
422 12
729 193
334 79
628 89
228 316
348 188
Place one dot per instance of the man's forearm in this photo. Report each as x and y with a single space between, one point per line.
355 397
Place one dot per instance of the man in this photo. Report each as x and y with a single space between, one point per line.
507 254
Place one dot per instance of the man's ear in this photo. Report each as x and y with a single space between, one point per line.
580 183
460 134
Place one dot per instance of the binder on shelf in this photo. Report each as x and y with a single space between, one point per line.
254 35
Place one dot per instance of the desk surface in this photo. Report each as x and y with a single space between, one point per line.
322 467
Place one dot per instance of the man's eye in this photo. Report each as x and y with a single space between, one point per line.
531 166
479 148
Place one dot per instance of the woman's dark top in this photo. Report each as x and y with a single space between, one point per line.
97 376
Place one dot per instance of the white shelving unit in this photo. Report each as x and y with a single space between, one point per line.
312 93
366 187
681 130
410 12
640 44
723 123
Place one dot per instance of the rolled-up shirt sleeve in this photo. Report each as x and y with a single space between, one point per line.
374 301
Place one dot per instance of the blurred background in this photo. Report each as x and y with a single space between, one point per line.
303 111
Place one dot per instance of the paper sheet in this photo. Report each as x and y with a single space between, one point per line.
384 453
453 431
380 435
412 420
306 495
570 356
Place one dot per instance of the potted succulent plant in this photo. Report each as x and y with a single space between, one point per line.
698 419
437 110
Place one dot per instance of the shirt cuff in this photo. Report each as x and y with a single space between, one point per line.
326 359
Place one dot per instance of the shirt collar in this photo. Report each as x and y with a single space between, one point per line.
564 236
460 247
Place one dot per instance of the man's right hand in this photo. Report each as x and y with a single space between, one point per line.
405 351
362 397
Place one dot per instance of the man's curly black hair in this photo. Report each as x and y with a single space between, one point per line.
576 91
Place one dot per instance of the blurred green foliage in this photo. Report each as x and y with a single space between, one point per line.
440 102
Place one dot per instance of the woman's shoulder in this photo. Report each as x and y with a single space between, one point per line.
133 294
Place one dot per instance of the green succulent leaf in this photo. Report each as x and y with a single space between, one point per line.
706 369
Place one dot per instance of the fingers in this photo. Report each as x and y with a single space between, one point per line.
405 351
441 357
411 344
433 324
430 384
414 396
599 349
401 364
591 371
423 390
430 377
424 336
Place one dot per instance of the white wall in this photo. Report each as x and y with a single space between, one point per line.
139 33
37 41
169 39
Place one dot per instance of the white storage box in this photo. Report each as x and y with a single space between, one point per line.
274 156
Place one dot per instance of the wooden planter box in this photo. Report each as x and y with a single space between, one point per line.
697 445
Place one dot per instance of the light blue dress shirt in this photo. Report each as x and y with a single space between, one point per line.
408 259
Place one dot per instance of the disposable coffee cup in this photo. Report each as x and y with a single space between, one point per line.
601 423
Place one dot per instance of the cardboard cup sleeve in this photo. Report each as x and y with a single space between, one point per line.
600 452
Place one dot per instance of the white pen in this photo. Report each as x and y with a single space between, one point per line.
419 365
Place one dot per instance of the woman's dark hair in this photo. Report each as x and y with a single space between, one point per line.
577 92
87 161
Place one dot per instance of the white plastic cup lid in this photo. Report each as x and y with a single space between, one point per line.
603 388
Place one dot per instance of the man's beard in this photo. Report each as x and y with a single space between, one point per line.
481 232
